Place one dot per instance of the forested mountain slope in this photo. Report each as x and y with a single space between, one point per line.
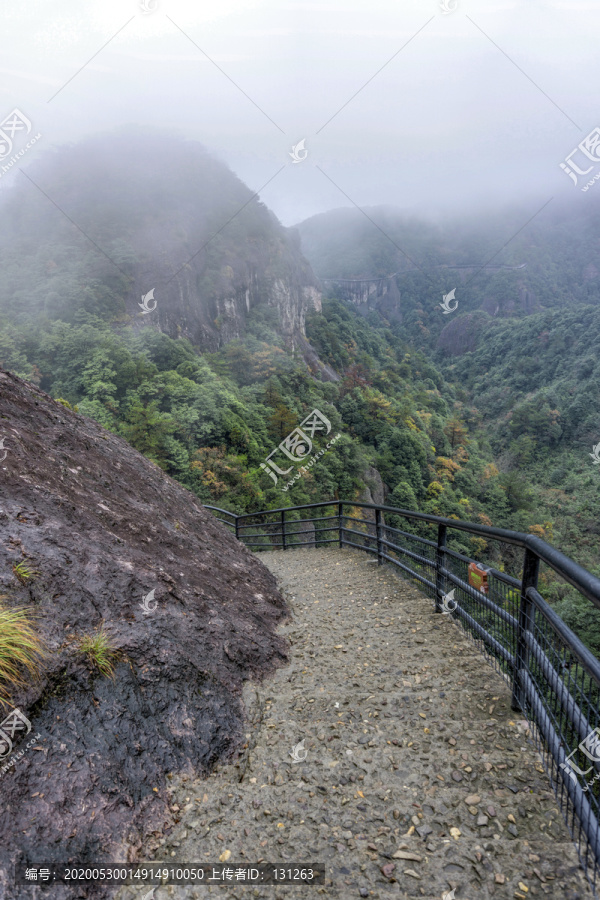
496 435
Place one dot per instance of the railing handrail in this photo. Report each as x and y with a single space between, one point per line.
579 577
530 643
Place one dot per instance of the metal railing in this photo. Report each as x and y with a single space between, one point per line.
555 679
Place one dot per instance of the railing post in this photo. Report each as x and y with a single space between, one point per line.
283 529
340 507
440 562
237 533
531 567
378 533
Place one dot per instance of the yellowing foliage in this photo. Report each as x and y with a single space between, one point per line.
545 531
434 489
490 471
446 468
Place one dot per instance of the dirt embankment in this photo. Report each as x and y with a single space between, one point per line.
103 527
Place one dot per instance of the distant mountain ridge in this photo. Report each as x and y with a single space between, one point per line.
99 224
502 266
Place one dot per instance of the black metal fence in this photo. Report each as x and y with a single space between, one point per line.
554 678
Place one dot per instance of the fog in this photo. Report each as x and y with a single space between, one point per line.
405 104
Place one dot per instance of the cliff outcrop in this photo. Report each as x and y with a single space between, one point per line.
95 538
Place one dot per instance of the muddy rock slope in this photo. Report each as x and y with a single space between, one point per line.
88 529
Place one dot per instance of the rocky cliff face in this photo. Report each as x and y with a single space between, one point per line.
103 528
207 296
368 294
161 216
463 333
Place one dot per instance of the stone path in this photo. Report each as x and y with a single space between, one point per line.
418 779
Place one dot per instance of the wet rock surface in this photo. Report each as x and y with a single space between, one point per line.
418 778
103 526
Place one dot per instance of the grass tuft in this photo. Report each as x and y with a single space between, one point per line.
100 651
21 651
24 572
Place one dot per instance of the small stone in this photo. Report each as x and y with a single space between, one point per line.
523 887
412 873
482 820
512 829
225 855
491 812
363 892
388 869
396 813
452 741
406 854
473 810
472 799
511 818
456 776
499 878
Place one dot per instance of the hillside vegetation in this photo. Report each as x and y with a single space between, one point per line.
501 434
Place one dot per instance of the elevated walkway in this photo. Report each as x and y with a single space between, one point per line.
418 779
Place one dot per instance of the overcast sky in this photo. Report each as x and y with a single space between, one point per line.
398 102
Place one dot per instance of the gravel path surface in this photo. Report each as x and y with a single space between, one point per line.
418 778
